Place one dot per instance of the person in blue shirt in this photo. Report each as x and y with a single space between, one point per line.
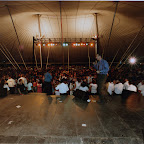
102 68
47 83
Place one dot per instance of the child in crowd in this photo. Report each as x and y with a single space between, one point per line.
34 85
30 86
39 87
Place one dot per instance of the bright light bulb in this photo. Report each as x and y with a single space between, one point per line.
132 60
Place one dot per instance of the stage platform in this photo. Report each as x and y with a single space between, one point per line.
38 118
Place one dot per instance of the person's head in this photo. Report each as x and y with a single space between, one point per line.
83 84
98 57
93 81
64 80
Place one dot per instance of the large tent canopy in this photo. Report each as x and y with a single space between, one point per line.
118 23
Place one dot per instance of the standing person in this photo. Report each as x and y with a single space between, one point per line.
102 68
47 83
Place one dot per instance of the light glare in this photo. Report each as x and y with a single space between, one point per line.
132 60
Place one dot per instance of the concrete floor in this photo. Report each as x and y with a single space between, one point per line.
45 119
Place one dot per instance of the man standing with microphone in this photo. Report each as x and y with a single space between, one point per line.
102 68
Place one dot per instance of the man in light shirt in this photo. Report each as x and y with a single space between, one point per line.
141 88
111 87
126 84
11 83
118 89
62 87
132 87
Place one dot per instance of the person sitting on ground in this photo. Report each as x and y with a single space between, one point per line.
12 84
30 86
77 84
118 89
21 88
111 87
93 87
131 87
56 91
126 84
141 88
71 86
62 87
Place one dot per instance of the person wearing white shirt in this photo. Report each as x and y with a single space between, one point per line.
93 87
6 86
84 89
111 87
118 88
71 86
141 88
11 83
29 86
140 84
62 87
24 80
132 87
126 84
77 84
56 91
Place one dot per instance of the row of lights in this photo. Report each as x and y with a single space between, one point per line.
66 44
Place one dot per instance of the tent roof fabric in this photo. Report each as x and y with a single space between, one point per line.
78 23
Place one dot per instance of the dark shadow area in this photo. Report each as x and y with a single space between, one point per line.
82 104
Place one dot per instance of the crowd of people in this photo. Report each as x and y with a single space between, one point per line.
57 80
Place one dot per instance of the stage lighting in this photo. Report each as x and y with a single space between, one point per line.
48 44
91 44
132 60
86 43
39 44
51 44
66 44
81 44
43 44
76 44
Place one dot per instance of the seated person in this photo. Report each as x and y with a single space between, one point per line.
141 88
111 86
62 87
131 87
30 86
21 88
82 92
84 87
118 88
93 87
